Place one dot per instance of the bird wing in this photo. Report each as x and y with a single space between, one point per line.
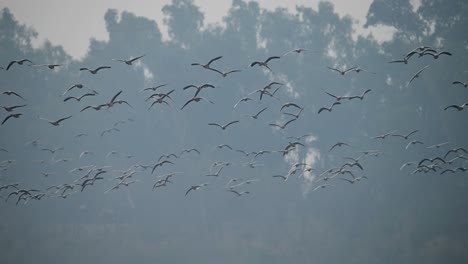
255 63
214 124
324 108
188 86
134 59
102 67
188 102
10 64
232 71
261 111
457 82
289 122
452 106
213 60
115 96
230 123
84 69
70 97
272 58
6 118
191 188
61 119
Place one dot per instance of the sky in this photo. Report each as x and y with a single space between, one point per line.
72 23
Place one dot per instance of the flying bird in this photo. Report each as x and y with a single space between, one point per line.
342 72
436 55
322 186
19 62
95 71
416 75
329 109
224 74
11 108
13 93
154 88
383 136
265 63
465 84
458 107
298 51
245 99
257 114
199 87
195 187
207 66
56 123
414 142
238 193
359 96
195 99
286 105
338 144
225 126
405 136
50 66
129 61
79 98
438 145
284 125
17 115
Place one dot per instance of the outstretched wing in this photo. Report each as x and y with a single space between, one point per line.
213 60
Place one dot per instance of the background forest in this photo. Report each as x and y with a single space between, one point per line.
394 216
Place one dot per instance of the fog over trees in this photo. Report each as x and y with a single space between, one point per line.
392 216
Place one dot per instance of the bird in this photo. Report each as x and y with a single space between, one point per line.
257 114
225 126
436 55
283 125
359 96
245 99
337 98
195 187
95 71
438 145
189 150
338 144
238 193
342 72
224 146
416 75
458 107
19 62
195 99
11 108
414 142
199 87
154 88
405 136
299 137
224 74
79 98
265 63
383 136
465 84
215 174
86 152
322 186
56 123
298 51
52 151
407 164
50 66
207 66
456 150
329 109
129 61
13 93
17 115
160 164
358 70
78 85
404 60
289 104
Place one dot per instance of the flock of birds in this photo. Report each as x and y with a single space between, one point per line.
349 171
